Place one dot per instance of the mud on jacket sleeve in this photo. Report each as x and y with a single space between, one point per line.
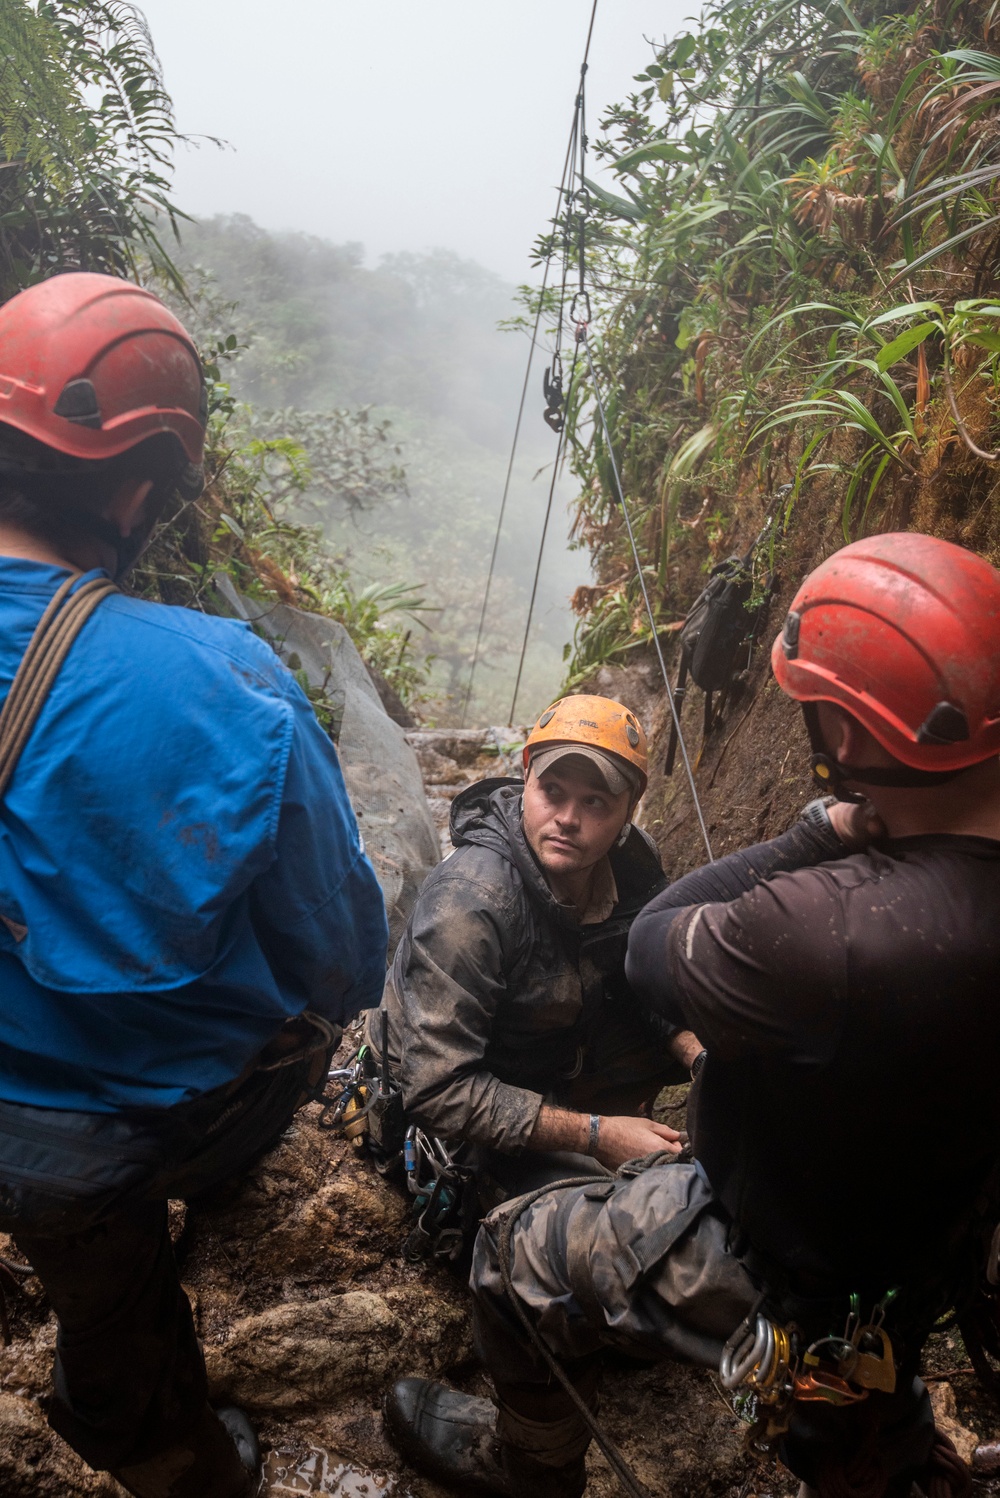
318 910
450 980
802 846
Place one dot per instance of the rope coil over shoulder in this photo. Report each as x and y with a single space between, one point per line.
41 663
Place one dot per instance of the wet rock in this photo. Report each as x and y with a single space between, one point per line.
26 1365
452 758
942 1397
309 1354
986 1459
36 1464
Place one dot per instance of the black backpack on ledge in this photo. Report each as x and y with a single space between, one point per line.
717 624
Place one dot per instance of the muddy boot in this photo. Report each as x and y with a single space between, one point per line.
449 1436
220 1459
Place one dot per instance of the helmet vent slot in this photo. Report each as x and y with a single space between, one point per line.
78 403
790 636
945 724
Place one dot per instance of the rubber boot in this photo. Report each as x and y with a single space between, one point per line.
220 1459
459 1441
449 1436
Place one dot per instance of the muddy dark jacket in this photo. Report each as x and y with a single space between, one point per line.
496 988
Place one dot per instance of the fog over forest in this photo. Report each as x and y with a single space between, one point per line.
415 339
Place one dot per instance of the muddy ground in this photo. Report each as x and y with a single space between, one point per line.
308 1312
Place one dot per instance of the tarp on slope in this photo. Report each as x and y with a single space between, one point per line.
380 768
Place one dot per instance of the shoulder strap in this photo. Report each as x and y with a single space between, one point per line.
58 627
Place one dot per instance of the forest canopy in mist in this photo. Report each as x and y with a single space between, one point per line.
413 343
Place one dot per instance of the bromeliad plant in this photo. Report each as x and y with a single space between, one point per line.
796 280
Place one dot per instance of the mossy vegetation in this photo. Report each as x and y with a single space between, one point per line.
796 285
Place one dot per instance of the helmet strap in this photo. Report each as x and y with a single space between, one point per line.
830 775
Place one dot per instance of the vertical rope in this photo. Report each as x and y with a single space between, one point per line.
556 468
645 594
568 171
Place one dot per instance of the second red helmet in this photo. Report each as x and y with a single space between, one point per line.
903 631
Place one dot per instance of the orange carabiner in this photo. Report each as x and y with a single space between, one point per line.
815 1384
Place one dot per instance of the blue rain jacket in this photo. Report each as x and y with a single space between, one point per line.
180 867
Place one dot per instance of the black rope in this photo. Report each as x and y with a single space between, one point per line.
645 592
619 1466
567 177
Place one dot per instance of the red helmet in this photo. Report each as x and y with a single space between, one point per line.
903 631
91 365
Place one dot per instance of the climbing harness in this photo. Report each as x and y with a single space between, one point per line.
779 1368
49 646
366 1104
443 1194
63 619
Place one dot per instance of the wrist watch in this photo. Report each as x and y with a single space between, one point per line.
697 1064
817 817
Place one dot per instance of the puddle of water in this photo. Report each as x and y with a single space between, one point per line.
322 1472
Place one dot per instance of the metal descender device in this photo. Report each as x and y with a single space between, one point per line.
776 1365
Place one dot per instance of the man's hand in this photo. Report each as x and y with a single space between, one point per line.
856 823
619 1138
622 1139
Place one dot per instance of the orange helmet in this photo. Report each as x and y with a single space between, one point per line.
596 724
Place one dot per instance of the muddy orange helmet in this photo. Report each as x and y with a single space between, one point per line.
593 723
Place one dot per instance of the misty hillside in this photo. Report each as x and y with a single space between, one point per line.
416 339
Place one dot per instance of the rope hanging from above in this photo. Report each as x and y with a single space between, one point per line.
555 405
49 646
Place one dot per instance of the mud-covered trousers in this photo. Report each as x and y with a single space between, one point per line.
129 1377
643 1265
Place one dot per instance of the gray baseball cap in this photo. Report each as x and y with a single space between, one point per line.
615 775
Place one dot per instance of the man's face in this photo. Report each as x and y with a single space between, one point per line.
570 817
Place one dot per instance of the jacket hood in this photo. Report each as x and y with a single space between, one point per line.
489 815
